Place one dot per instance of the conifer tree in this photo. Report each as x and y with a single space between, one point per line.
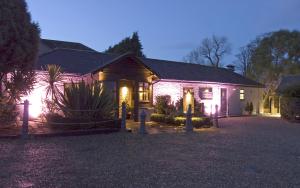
129 44
19 40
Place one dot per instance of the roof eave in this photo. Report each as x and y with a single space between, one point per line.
209 82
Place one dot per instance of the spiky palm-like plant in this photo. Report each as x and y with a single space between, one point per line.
86 102
52 79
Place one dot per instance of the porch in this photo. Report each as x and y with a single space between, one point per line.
131 82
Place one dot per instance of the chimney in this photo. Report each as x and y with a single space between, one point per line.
231 67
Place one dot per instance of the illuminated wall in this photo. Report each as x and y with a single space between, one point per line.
234 105
38 94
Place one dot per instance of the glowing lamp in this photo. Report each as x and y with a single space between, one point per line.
124 93
188 98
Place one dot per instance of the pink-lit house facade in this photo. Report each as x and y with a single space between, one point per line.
230 99
137 81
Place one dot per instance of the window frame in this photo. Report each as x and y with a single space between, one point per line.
144 92
242 94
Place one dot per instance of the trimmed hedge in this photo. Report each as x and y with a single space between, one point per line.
290 108
197 122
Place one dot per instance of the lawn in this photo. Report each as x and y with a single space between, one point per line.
245 152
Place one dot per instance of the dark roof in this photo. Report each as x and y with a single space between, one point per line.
56 44
288 81
74 61
82 62
196 72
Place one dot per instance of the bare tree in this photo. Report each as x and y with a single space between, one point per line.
211 51
243 61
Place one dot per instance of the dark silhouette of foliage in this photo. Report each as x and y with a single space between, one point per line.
210 52
129 44
19 40
271 56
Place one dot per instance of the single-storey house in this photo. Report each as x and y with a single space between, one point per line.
139 80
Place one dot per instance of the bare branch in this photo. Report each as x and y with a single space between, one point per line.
212 50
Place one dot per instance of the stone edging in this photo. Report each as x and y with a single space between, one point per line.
66 133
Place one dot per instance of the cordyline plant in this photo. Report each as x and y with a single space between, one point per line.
86 101
52 78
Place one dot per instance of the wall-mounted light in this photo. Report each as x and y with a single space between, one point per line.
124 93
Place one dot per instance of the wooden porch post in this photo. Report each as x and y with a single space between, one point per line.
118 98
136 101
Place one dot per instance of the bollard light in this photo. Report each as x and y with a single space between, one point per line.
142 123
188 121
123 121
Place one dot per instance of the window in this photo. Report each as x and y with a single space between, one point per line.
242 94
188 99
205 93
144 92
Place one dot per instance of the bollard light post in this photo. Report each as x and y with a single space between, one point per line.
123 121
216 116
188 121
24 132
143 123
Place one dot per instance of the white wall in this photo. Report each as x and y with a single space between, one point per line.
235 105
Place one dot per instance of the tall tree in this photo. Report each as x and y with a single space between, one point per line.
19 39
129 44
275 54
211 51
244 62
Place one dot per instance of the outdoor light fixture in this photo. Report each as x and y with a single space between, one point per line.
35 99
124 93
188 98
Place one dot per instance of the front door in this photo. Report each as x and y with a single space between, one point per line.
223 109
126 95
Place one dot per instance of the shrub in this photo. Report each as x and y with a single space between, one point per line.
197 122
8 111
198 107
157 117
249 108
86 102
54 117
179 121
290 108
162 103
179 105
169 119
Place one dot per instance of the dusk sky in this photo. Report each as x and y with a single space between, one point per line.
168 29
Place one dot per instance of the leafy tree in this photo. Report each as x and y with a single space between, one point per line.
19 39
129 44
273 55
211 51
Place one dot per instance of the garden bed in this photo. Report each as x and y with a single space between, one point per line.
41 129
198 122
71 125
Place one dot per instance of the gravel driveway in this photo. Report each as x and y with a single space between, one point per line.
245 152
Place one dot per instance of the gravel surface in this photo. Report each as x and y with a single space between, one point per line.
245 152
